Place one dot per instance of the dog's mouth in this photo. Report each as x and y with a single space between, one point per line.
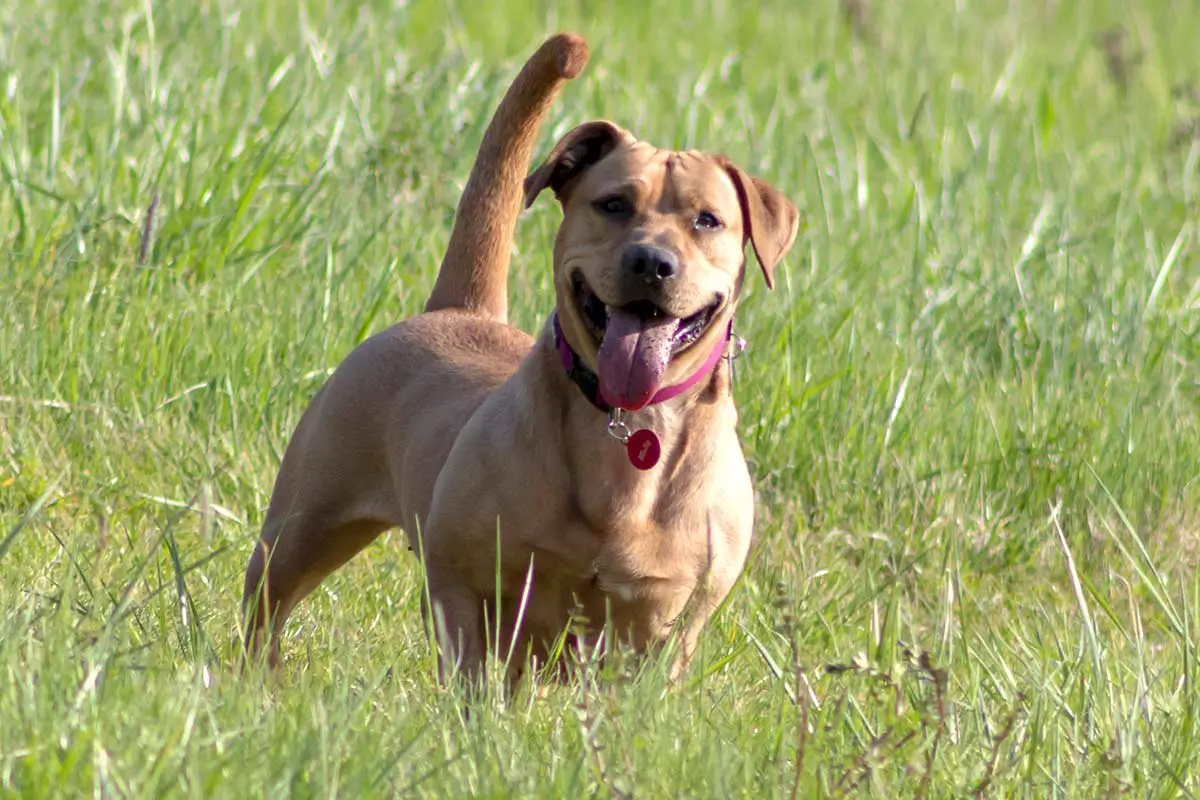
596 316
637 342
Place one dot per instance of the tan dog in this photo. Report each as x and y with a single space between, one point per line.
494 451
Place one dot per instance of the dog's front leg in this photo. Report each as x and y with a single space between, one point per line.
724 557
696 618
457 616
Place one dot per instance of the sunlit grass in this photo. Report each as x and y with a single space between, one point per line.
972 404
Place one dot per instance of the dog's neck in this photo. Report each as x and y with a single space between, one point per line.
589 383
691 425
610 492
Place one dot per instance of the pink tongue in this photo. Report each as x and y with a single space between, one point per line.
633 358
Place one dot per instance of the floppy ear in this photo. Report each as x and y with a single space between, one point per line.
771 221
579 149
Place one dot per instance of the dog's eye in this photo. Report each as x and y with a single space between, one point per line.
708 221
616 207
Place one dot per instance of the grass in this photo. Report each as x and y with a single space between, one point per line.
972 405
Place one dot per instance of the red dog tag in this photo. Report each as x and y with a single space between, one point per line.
643 449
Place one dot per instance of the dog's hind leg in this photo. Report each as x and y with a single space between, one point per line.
277 578
474 272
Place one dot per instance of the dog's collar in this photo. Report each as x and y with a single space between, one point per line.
589 382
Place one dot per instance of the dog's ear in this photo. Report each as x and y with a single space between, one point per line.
770 220
579 149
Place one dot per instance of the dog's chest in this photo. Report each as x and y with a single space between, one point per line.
622 564
616 583
633 555
643 577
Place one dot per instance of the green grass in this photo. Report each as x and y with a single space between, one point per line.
972 405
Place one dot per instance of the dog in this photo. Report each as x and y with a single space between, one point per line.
588 479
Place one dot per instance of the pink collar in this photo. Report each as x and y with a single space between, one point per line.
589 383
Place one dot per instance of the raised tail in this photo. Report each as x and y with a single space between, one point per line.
474 271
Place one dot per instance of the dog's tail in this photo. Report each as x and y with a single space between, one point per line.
474 272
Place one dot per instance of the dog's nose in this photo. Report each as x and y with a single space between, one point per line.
653 264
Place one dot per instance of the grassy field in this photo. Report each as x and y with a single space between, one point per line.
972 405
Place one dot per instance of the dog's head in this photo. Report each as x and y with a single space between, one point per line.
650 257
